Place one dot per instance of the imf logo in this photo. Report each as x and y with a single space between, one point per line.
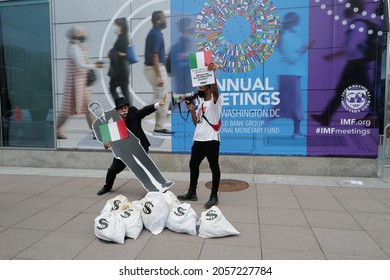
355 98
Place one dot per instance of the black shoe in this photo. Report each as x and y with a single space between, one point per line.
163 131
188 196
212 201
103 191
167 184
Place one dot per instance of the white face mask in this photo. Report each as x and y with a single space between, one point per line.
113 29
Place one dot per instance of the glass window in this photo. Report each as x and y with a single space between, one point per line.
26 75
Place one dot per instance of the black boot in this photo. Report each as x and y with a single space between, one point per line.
212 201
188 196
103 190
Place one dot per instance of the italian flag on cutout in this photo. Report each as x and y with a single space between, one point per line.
113 131
200 59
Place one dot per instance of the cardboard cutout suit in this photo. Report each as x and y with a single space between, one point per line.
131 153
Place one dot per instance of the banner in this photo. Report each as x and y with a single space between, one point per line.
296 77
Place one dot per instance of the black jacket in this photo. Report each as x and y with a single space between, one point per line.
133 123
119 65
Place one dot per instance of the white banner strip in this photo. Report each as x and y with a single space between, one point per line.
200 270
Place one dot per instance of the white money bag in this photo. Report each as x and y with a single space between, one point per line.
109 227
117 204
132 220
154 212
171 199
182 219
213 223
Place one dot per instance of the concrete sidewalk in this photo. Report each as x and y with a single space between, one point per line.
49 214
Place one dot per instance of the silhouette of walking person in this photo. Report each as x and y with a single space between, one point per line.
154 68
360 49
76 93
292 50
119 70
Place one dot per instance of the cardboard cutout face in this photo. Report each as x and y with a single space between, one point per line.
110 129
96 109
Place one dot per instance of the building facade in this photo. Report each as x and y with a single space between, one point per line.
34 55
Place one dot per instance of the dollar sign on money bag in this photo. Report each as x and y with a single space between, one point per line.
147 207
116 204
126 213
211 215
180 211
103 223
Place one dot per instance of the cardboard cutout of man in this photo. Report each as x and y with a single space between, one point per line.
130 150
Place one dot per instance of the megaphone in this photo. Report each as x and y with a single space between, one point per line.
177 98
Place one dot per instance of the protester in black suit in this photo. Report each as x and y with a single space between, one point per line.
131 151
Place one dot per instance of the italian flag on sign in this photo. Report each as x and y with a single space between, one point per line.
199 62
200 59
113 131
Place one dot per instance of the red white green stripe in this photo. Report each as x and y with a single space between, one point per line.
113 131
200 59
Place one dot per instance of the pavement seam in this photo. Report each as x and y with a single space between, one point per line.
363 229
79 253
143 247
311 229
26 248
258 218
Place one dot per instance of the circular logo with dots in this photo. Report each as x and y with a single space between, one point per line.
356 98
241 35
350 23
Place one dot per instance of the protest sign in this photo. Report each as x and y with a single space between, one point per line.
200 75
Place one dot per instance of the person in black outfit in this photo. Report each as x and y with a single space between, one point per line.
207 121
131 151
119 65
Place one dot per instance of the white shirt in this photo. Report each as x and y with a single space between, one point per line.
75 53
203 130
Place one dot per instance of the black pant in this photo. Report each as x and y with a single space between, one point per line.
200 150
124 85
116 167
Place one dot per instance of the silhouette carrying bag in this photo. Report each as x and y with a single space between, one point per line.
132 56
91 77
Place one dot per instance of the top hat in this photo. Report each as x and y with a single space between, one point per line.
120 102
